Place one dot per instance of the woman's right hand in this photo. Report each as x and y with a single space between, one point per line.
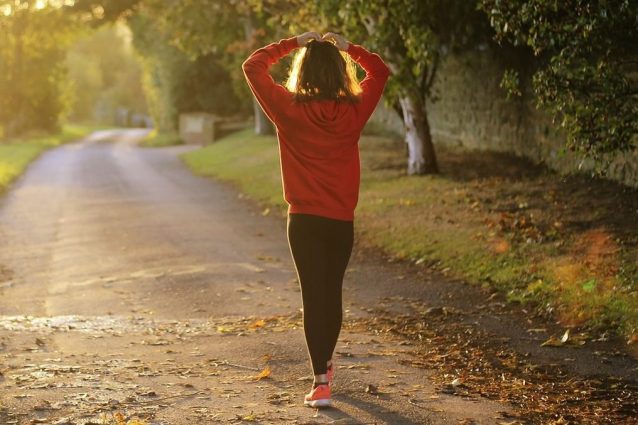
304 38
337 39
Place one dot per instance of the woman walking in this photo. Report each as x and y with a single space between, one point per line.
319 117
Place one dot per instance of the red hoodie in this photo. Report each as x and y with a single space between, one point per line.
319 139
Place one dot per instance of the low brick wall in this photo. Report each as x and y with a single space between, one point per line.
474 112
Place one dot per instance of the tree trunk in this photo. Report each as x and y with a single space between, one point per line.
421 154
263 126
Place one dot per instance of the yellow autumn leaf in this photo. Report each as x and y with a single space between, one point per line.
264 373
258 324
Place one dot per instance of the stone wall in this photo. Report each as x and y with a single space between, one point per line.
474 112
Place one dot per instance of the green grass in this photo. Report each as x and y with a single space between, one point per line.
156 139
436 220
16 154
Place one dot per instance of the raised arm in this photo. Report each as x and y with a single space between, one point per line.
377 73
271 96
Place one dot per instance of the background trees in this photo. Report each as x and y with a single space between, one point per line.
227 31
587 59
104 74
33 84
175 82
585 69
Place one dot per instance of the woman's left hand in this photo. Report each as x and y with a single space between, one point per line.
304 38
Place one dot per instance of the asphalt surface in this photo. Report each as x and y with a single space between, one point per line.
115 259
130 286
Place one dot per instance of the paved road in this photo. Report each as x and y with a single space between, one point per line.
103 213
130 286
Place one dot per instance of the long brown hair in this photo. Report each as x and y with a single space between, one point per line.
321 71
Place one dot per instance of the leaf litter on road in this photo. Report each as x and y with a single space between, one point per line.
465 365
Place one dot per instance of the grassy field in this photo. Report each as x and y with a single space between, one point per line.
566 246
16 154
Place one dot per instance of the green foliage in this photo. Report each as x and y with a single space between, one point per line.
588 62
175 82
222 32
33 85
511 83
97 12
105 74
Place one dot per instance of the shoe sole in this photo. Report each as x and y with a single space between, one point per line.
318 403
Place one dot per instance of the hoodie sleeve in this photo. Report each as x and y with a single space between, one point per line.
377 73
272 97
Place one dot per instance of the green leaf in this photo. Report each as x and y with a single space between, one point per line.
589 286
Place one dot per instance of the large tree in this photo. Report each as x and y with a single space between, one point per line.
587 67
413 37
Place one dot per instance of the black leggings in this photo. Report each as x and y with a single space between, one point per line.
321 250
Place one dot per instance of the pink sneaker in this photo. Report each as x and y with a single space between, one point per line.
318 397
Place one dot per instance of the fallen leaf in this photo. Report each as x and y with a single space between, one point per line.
552 341
258 324
264 373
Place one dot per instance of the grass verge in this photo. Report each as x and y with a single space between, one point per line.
155 139
16 154
565 245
